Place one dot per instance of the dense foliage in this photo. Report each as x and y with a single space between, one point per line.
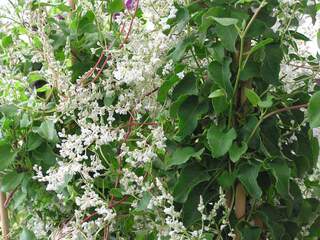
160 119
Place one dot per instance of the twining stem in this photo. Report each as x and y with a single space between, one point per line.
265 116
4 217
242 36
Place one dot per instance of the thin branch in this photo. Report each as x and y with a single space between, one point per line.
264 117
285 109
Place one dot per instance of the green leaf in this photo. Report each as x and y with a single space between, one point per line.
261 44
219 103
10 181
315 229
7 156
217 93
250 70
249 232
314 110
190 213
165 87
8 109
270 216
267 103
48 131
33 141
44 155
218 52
299 36
115 6
220 141
108 98
181 48
225 21
207 236
207 19
281 172
182 155
25 122
226 179
37 42
190 177
228 36
253 98
271 64
236 152
221 74
144 202
116 192
189 113
34 76
44 88
181 20
247 174
187 86
27 235
6 41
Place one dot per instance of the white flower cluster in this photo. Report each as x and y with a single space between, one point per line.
295 73
131 73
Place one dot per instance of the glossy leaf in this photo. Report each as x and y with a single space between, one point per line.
249 232
10 181
187 86
190 177
247 174
182 155
314 110
226 179
7 156
271 64
253 98
225 21
281 172
26 234
228 36
144 202
217 93
115 6
47 131
189 113
165 87
181 48
220 141
221 74
236 151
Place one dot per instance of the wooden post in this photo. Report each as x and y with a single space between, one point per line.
240 201
4 217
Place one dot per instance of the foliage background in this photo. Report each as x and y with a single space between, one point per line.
147 146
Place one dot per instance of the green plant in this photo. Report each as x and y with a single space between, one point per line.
232 105
159 120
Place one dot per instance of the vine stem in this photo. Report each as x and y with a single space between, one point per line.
4 217
264 117
242 36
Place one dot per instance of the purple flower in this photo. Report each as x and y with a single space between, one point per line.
130 4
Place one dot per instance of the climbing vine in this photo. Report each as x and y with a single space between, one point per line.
145 119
